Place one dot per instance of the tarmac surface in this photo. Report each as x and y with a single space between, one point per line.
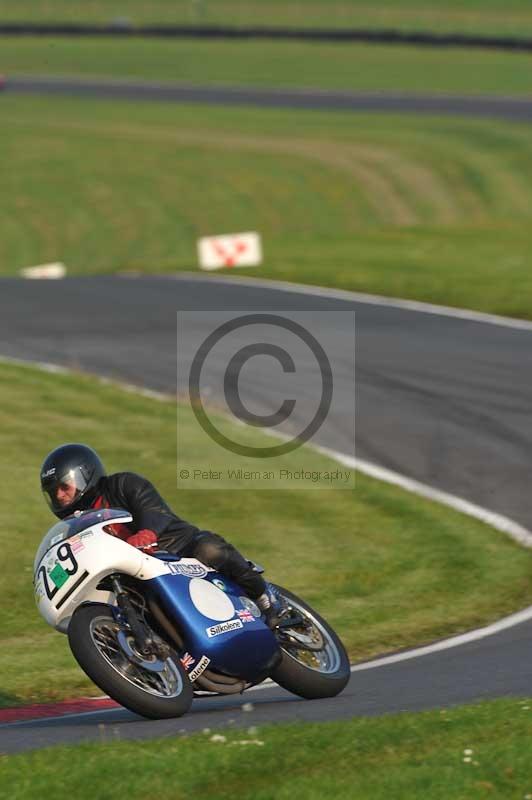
518 109
442 399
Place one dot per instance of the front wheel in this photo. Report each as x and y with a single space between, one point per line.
315 663
150 688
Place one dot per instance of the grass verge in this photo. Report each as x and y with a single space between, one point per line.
479 751
475 16
350 67
386 568
426 208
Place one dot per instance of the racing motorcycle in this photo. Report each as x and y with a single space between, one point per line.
153 631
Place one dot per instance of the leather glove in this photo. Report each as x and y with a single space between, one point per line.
145 540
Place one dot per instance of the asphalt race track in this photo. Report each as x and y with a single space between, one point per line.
518 109
455 676
442 399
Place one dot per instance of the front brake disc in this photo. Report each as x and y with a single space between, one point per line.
306 641
156 665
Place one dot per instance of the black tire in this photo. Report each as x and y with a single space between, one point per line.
175 694
311 682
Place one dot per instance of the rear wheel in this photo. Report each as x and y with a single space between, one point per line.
108 654
314 663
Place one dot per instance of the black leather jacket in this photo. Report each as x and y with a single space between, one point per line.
148 509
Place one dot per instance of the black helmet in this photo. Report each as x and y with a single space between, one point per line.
73 465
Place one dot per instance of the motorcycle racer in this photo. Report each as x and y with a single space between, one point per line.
73 478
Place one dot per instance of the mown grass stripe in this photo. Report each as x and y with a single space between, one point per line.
474 751
436 210
471 16
367 585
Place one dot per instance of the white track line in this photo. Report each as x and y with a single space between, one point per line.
454 641
444 644
501 523
407 655
359 297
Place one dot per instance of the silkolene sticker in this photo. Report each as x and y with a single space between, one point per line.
201 666
224 627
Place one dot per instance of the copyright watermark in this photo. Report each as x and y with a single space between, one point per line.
254 388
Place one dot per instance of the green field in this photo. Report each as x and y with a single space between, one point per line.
479 751
426 208
474 16
354 67
392 570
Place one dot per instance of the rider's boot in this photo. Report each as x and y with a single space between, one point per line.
271 609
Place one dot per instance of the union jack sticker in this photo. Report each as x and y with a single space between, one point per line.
187 660
245 615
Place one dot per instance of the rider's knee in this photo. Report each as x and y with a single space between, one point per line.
211 552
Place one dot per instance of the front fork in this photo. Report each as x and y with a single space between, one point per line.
144 640
288 630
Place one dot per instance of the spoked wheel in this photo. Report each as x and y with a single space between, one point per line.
315 663
108 654
162 679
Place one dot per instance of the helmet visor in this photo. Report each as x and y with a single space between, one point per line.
61 492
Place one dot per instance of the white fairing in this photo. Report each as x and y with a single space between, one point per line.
69 572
